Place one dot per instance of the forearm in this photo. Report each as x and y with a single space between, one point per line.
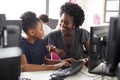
51 62
34 67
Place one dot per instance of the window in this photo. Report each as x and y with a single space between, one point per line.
15 8
54 11
111 9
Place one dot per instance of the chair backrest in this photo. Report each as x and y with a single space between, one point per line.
53 23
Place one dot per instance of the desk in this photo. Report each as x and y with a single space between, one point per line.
45 75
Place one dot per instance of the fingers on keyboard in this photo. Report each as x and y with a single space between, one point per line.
71 60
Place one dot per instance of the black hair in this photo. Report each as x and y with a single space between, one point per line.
29 20
44 18
75 11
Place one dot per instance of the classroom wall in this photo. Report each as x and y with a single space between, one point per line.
94 12
91 8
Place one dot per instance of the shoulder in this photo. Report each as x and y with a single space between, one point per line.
54 33
82 30
53 36
23 41
83 34
40 42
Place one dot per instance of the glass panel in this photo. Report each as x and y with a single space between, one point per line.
54 8
112 5
111 9
110 14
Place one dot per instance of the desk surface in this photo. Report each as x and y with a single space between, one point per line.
81 75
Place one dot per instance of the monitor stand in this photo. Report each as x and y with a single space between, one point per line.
103 66
118 73
102 78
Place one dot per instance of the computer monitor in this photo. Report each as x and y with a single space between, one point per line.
112 56
113 46
10 63
98 46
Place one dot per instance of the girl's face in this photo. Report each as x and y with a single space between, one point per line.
38 31
66 23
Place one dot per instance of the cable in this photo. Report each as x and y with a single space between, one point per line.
88 75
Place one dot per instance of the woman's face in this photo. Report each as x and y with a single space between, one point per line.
66 23
38 31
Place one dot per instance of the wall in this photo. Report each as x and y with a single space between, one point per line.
91 8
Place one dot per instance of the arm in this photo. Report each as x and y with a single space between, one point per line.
51 62
35 67
87 45
67 61
86 39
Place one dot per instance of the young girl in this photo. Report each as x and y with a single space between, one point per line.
33 47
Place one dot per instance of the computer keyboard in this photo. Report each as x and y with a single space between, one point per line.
74 68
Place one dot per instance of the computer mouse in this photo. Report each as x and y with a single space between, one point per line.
56 78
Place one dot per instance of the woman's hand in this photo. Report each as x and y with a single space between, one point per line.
86 61
61 53
66 63
62 64
70 60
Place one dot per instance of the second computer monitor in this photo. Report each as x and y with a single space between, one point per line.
105 48
113 49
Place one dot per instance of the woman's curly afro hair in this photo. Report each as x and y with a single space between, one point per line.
75 11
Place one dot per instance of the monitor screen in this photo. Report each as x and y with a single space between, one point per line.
97 54
113 48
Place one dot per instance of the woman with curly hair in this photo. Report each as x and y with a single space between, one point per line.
70 40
